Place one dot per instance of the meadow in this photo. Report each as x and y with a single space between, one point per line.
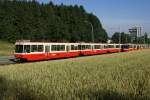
119 76
6 49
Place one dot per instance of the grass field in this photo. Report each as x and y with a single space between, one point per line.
120 76
6 48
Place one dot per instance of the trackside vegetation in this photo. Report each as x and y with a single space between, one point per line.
6 48
120 76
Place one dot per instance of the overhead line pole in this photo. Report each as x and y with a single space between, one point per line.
119 37
92 30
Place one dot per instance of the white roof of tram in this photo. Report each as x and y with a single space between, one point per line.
54 43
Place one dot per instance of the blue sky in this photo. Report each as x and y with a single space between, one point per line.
115 15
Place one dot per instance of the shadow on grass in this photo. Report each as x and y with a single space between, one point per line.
10 90
3 88
110 95
13 90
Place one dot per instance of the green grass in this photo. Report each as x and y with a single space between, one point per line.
120 76
6 48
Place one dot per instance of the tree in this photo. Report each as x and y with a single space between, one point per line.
121 37
115 37
28 19
145 38
100 34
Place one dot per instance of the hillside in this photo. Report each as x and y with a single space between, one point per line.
103 77
6 48
30 20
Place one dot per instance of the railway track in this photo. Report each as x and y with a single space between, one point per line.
6 60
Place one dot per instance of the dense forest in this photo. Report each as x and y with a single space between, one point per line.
31 20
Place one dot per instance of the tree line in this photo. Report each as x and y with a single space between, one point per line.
31 20
122 37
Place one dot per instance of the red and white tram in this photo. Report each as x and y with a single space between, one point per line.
35 51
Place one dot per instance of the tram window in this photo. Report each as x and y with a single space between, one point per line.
125 46
135 46
105 46
26 48
79 47
40 48
53 48
19 49
34 48
76 47
88 46
84 47
58 48
73 47
117 46
62 48
97 47
110 46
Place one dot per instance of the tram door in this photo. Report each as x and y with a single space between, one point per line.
47 50
67 48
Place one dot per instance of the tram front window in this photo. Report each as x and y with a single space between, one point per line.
19 49
26 48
